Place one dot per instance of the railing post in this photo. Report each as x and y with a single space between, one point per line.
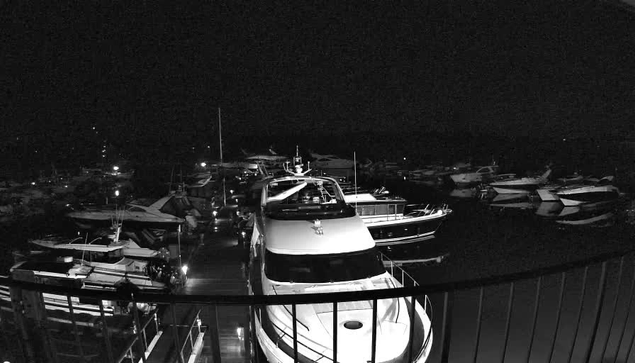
104 330
413 314
535 317
578 318
563 281
446 329
213 333
175 330
628 312
253 338
479 317
373 343
510 306
598 311
78 341
617 296
295 332
135 313
335 327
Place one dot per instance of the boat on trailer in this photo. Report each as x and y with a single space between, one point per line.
307 239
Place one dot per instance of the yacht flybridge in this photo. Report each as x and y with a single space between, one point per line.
307 239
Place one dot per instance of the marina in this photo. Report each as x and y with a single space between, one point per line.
218 327
199 182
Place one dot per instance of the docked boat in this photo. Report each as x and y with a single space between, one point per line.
161 214
330 162
437 175
576 195
65 272
509 202
115 262
307 239
391 222
548 192
520 185
104 243
483 174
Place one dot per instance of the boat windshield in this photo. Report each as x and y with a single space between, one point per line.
113 256
323 268
305 198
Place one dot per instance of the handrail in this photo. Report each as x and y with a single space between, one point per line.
319 297
195 323
300 342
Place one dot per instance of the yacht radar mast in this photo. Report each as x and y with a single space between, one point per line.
297 165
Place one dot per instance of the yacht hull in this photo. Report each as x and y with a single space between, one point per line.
585 195
405 230
515 189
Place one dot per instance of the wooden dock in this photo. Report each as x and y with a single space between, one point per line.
217 269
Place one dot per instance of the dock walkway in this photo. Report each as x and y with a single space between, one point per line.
215 269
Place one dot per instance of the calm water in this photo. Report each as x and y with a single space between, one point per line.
483 238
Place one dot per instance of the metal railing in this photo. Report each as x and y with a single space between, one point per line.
575 312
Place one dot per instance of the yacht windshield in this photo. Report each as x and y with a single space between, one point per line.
323 268
305 198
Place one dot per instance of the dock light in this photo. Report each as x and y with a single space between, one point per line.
116 193
115 168
184 268
203 164
32 183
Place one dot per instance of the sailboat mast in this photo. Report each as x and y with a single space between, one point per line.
355 175
220 136
220 142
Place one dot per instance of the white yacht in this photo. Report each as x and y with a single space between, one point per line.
113 261
65 272
307 239
577 195
104 243
390 223
160 214
520 185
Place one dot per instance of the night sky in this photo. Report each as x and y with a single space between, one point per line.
152 74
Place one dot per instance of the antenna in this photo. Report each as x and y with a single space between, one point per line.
84 250
220 142
355 173
171 177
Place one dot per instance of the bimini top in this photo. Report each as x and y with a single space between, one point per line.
318 236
